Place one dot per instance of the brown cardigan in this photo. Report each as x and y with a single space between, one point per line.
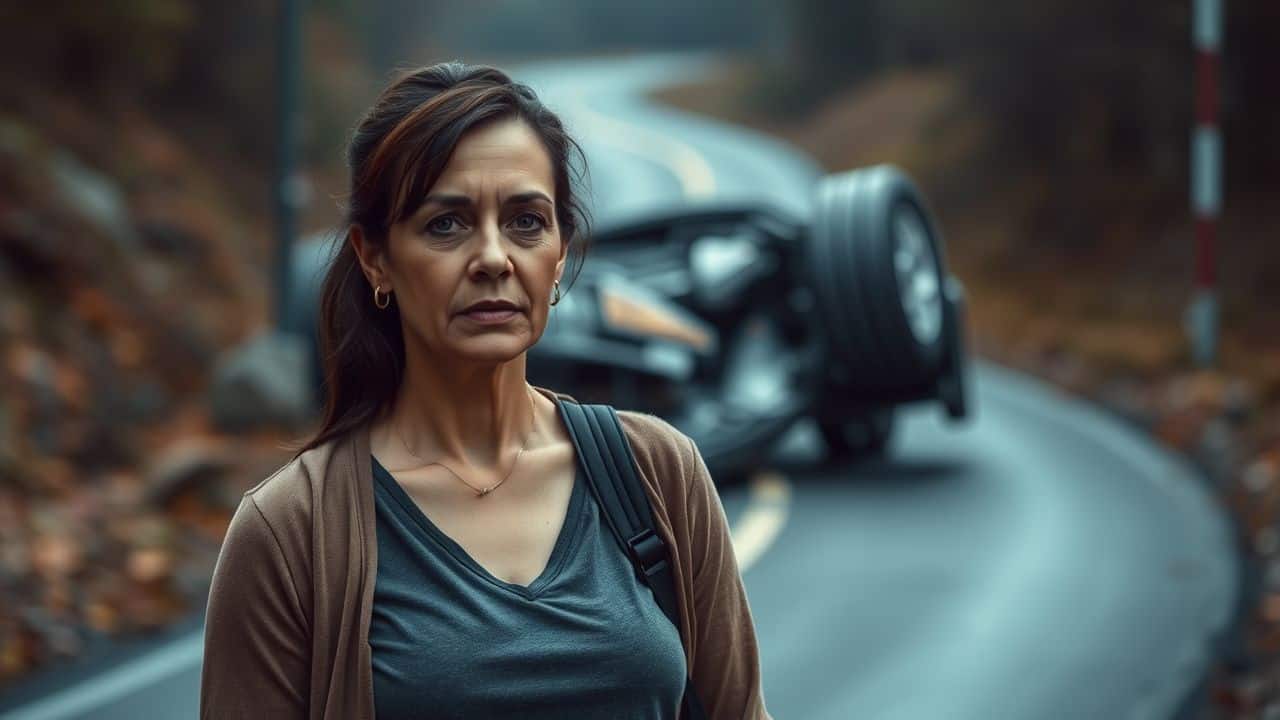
287 625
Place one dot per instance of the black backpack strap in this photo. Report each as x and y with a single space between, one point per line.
605 456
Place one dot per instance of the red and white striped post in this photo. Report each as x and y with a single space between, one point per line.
1206 178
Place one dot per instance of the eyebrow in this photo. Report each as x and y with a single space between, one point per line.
463 200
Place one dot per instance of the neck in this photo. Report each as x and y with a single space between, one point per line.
472 416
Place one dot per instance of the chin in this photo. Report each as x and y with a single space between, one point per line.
495 349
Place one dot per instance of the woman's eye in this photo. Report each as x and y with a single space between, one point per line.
442 225
527 222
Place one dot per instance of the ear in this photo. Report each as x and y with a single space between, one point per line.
371 257
564 253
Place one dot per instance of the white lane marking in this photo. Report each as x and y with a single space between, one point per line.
697 179
111 686
760 524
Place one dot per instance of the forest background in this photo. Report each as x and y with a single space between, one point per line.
136 155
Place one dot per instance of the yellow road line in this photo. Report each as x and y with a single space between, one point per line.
768 503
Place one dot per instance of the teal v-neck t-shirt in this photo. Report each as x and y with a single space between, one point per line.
585 639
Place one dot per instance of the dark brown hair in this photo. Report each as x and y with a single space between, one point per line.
397 152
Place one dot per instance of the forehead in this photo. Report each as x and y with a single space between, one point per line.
498 154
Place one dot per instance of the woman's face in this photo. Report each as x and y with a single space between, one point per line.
485 233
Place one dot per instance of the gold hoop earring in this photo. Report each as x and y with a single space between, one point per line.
381 305
556 299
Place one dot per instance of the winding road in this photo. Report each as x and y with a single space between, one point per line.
1041 561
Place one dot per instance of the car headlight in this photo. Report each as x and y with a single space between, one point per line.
624 308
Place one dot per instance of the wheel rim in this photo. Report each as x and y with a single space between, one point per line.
916 267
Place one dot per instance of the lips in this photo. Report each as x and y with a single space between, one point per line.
493 306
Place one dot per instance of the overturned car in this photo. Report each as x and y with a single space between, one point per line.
733 321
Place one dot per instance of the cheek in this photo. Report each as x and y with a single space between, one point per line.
542 267
431 287
539 284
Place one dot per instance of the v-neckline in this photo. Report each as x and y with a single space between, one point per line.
560 552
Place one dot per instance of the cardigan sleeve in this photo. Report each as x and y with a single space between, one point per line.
726 668
256 658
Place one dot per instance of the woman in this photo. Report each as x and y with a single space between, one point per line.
432 551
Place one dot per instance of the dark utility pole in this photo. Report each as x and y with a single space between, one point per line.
289 185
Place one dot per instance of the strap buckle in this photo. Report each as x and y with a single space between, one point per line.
648 552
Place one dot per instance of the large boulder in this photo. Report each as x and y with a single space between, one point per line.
264 383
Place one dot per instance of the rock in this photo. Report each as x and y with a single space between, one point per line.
1261 475
149 606
15 559
15 316
1239 400
8 438
52 475
191 578
1272 575
150 564
1216 449
1266 542
102 617
1070 372
96 198
168 238
64 640
156 275
16 140
15 648
122 491
150 531
263 383
1202 389
147 401
35 368
188 463
1129 399
56 555
1183 429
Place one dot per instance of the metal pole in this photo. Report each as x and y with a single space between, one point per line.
1206 179
290 187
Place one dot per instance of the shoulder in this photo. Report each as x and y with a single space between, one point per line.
288 496
667 459
664 454
274 526
282 489
651 438
653 434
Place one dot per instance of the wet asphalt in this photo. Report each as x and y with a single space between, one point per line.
1041 561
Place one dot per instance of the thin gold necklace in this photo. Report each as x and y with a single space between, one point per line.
485 491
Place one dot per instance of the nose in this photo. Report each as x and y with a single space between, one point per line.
491 259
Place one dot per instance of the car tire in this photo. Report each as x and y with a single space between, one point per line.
870 435
875 263
953 385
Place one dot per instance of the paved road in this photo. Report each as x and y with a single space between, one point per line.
1043 561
